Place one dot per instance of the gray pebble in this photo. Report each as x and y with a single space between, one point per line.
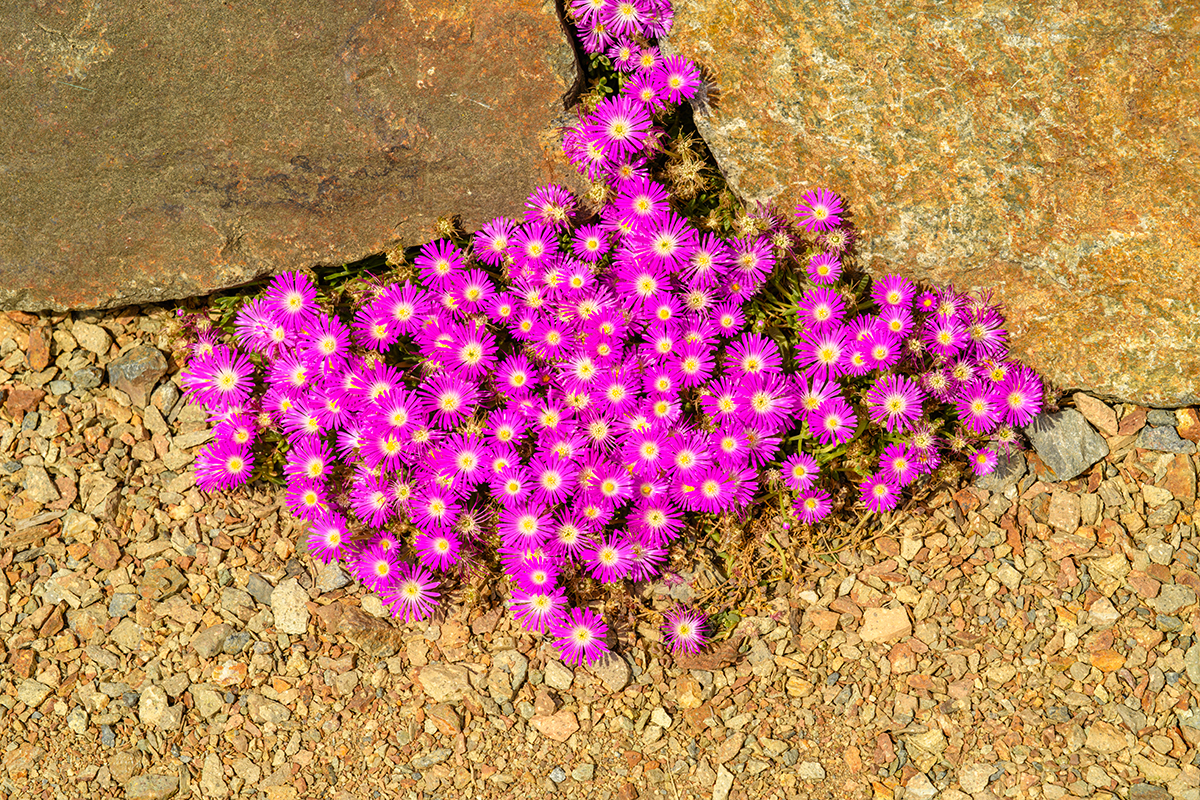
60 387
436 757
107 737
1160 416
121 604
235 643
260 589
88 377
1165 439
558 775
833 678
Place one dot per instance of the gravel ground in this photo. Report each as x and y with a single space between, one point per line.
1025 637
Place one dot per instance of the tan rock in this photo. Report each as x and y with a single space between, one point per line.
1065 511
823 619
1188 424
558 726
1029 148
1154 496
1103 614
1105 738
902 659
1109 573
444 683
1180 481
885 624
1107 660
230 673
1102 417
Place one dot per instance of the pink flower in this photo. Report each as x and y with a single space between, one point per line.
580 636
819 210
685 630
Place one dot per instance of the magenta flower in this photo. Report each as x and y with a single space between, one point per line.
621 125
768 401
524 527
685 630
985 334
728 318
813 507
895 402
1021 394
377 567
666 243
306 499
328 537
836 422
659 520
534 246
293 298
567 537
580 636
327 342
220 380
551 205
370 502
882 350
879 494
897 320
623 18
412 596
710 492
751 262
821 308
897 463
449 400
824 268
754 354
610 560
492 241
822 353
590 243
979 406
983 461
404 305
222 465
680 77
537 575
310 459
538 610
800 471
944 336
438 262
819 210
893 291
642 203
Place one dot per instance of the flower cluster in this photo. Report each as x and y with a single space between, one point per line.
925 350
614 142
567 389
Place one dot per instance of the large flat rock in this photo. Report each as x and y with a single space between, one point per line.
1048 152
152 151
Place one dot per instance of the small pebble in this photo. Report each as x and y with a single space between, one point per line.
558 775
107 737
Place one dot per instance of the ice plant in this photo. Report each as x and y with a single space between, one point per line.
685 630
583 384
